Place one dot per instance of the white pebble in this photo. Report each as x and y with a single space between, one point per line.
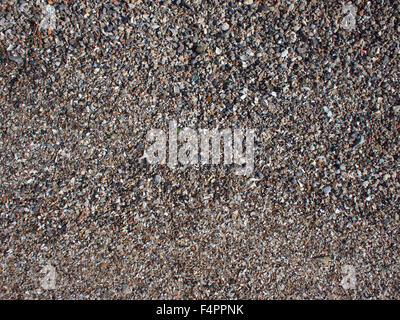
225 27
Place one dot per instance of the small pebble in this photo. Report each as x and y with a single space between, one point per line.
225 27
326 190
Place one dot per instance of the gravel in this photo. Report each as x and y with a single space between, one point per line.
83 82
